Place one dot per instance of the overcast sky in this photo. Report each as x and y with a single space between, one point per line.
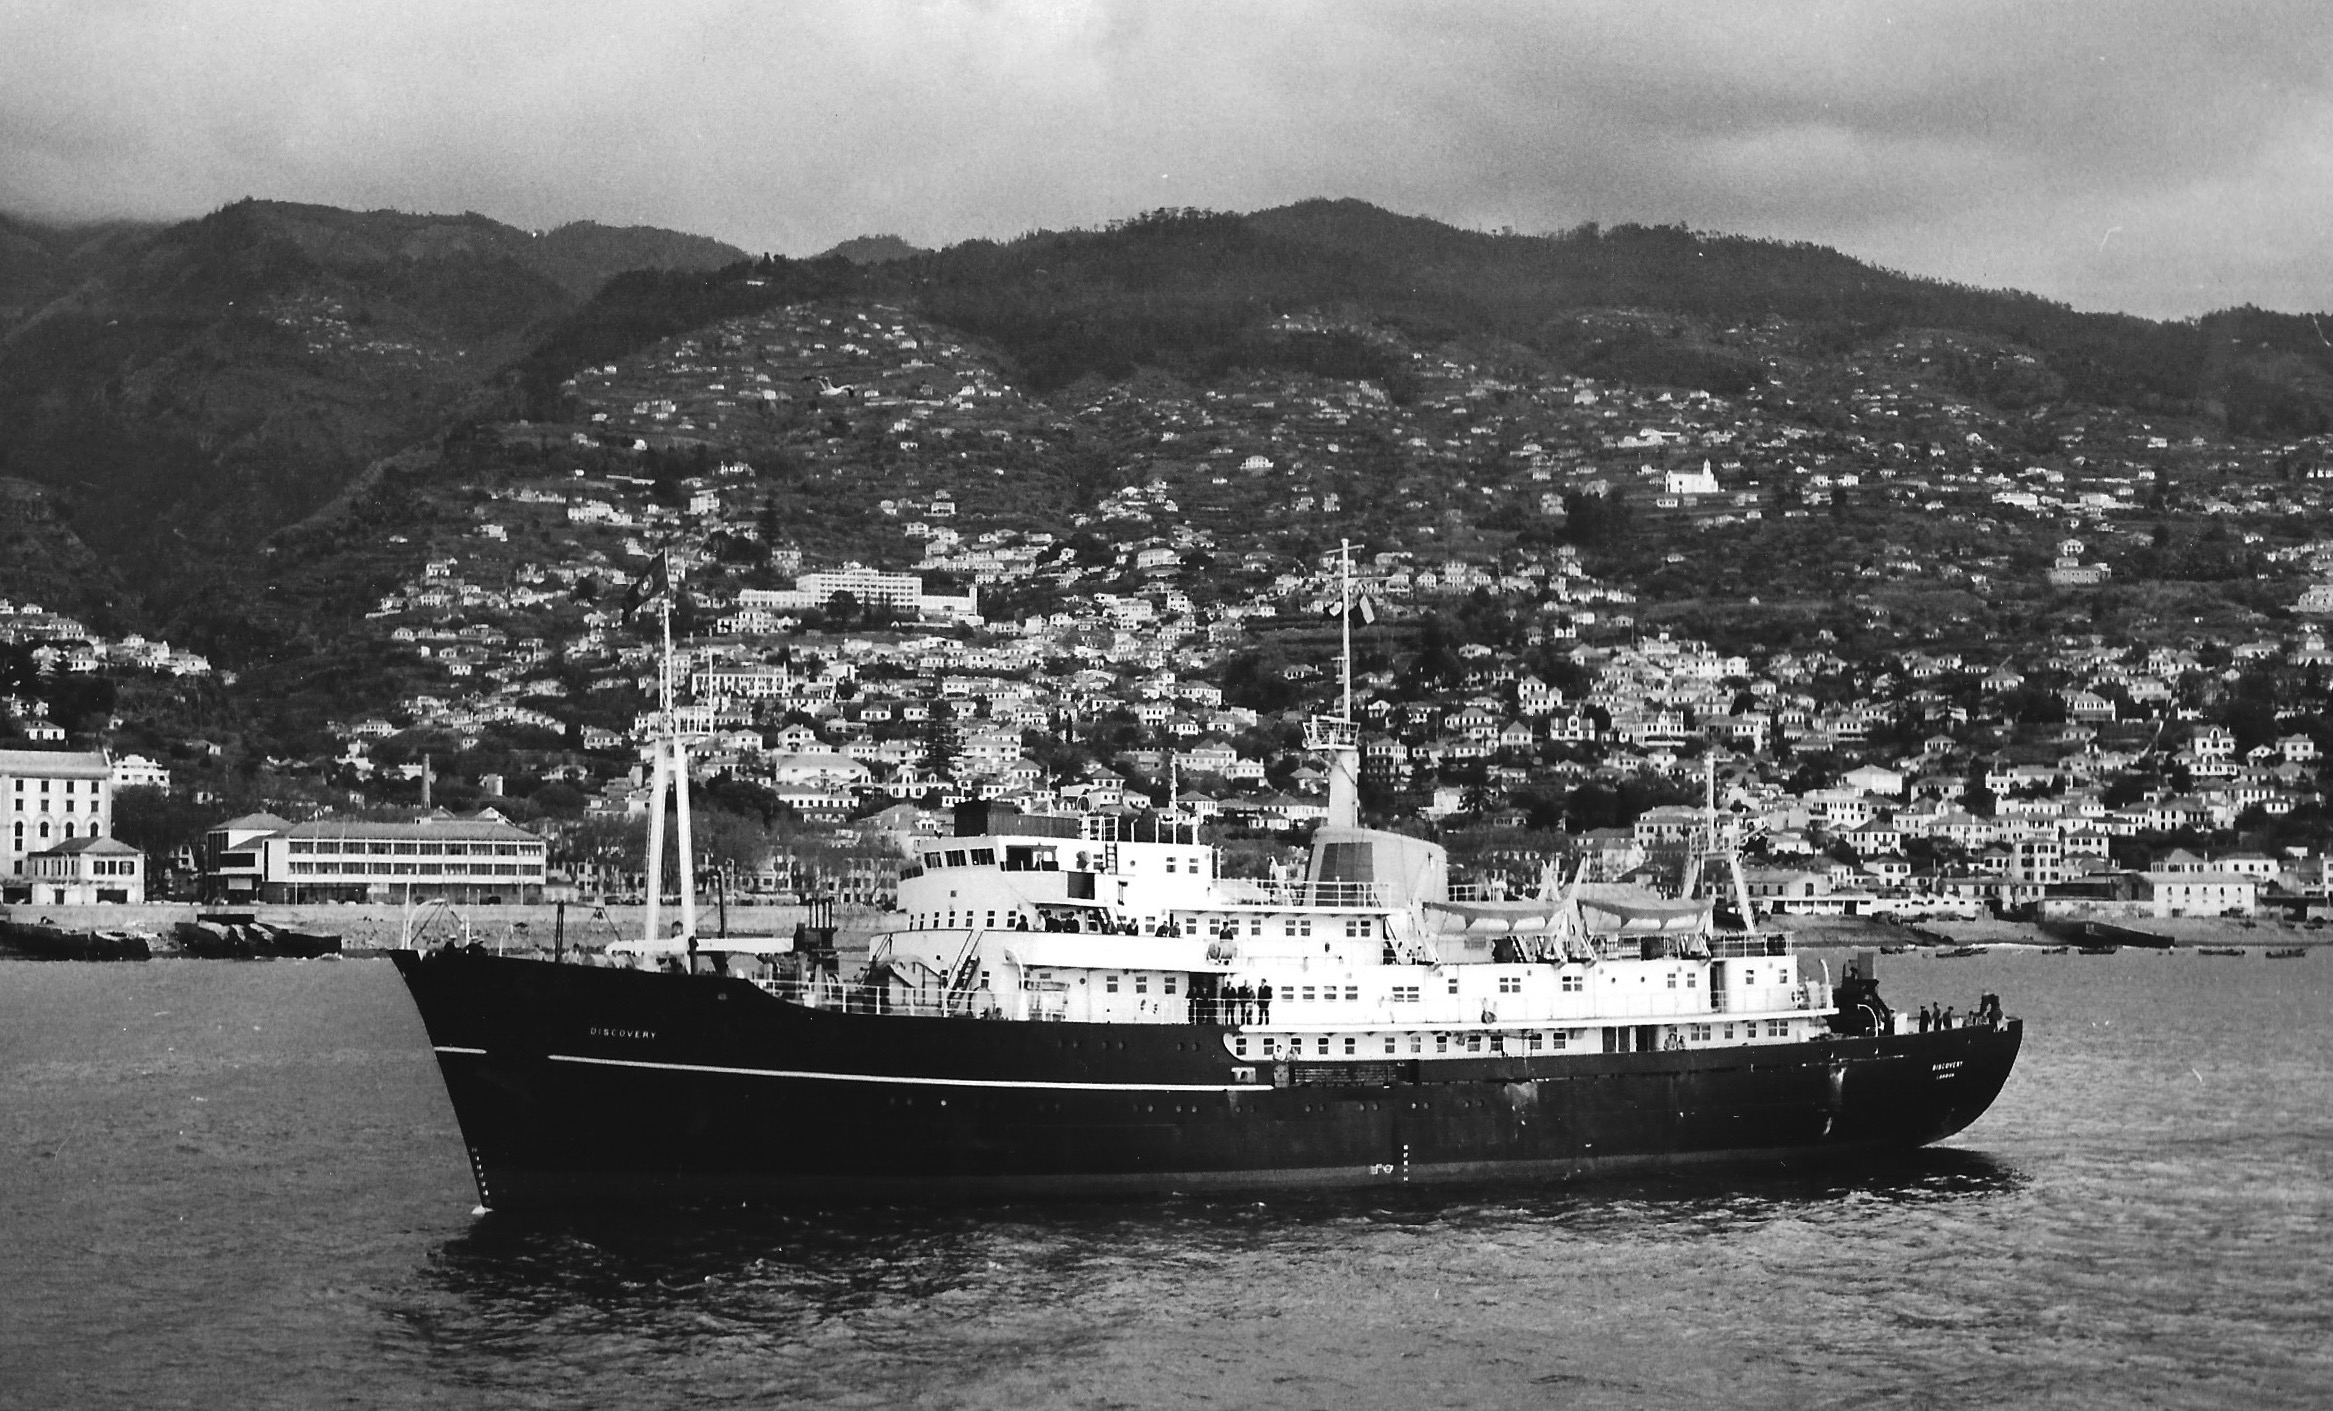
2164 157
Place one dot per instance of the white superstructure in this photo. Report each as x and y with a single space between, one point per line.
1366 956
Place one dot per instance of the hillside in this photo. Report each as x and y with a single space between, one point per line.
195 389
43 561
198 386
1188 292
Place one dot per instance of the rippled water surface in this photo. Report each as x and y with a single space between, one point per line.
240 1185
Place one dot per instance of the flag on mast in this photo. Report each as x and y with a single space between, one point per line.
651 588
1355 600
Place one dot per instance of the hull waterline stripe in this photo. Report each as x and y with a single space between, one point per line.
887 1078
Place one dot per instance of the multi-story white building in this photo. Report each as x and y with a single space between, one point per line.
138 772
51 797
470 860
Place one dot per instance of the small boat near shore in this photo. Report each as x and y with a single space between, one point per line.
2219 950
2089 933
2287 953
43 940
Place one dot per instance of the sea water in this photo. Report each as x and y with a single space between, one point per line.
240 1185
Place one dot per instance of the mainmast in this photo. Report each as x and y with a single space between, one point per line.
1345 618
1338 738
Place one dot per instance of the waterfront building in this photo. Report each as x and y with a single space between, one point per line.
88 871
51 797
474 861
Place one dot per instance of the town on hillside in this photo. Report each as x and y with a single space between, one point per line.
1931 655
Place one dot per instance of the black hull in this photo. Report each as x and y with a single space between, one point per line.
573 1083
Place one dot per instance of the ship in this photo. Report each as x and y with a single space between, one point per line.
1078 1005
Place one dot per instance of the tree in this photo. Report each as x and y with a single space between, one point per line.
939 739
158 823
1976 795
558 800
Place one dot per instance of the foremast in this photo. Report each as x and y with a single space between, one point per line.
668 769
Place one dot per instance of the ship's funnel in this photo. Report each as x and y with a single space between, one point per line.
1344 789
1338 743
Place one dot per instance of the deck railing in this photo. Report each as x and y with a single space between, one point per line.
1345 895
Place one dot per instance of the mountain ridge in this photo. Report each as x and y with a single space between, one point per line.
200 384
197 387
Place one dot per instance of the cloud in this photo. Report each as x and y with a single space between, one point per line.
1993 142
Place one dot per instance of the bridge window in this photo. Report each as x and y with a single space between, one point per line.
1110 983
1389 1043
1561 1038
1349 1043
1498 1043
983 857
1672 979
1269 1044
1142 984
1323 1046
1510 984
1778 1028
1474 1043
1239 1046
1170 864
1572 984
1405 994
1307 994
1166 984
1692 980
1441 1043
1454 984
1417 1042
1532 1042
